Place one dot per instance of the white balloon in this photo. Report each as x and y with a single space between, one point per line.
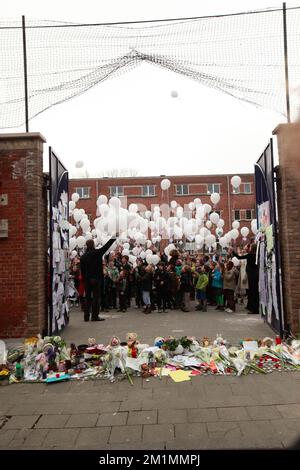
149 259
234 234
192 206
165 184
173 204
214 217
221 223
156 209
245 232
148 214
209 224
84 223
72 230
219 231
82 211
149 252
207 208
115 202
102 199
204 232
132 259
197 201
210 240
77 215
174 94
72 243
80 241
75 197
236 181
178 233
142 255
223 241
179 211
88 236
133 208
200 212
215 198
199 239
94 232
126 246
72 205
236 224
155 259
73 254
125 252
79 164
158 238
235 261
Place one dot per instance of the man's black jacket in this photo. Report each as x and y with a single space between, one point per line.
91 262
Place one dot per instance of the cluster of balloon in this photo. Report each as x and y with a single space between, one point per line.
140 233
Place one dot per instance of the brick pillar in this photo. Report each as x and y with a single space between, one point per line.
288 139
23 250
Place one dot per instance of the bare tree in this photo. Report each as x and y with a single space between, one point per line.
119 172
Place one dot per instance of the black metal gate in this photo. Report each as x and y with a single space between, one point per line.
58 311
267 238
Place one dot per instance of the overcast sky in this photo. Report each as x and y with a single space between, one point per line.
133 121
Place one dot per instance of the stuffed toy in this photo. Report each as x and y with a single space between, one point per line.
132 343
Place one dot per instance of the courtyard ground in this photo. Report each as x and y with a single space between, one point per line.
209 412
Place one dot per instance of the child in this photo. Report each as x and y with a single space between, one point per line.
230 278
201 286
217 285
147 288
186 285
161 284
113 275
122 284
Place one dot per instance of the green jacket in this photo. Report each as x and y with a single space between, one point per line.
202 281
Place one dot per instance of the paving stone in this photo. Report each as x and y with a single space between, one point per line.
35 438
125 434
288 430
217 391
129 405
58 387
191 431
107 407
20 422
93 437
7 436
164 394
172 403
5 407
142 417
258 430
82 408
263 412
289 411
112 419
222 427
172 416
82 420
23 409
202 415
61 438
233 414
137 446
50 409
158 432
52 421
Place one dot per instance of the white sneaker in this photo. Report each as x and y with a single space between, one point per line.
228 310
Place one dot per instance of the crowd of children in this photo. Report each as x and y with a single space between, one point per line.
172 284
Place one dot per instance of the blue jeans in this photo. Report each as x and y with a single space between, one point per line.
146 297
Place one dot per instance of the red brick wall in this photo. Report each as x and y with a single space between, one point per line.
288 137
197 186
23 253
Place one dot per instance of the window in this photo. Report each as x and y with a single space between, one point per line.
84 192
248 214
247 188
117 191
182 189
148 191
213 188
237 215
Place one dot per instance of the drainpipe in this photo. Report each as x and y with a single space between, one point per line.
229 203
